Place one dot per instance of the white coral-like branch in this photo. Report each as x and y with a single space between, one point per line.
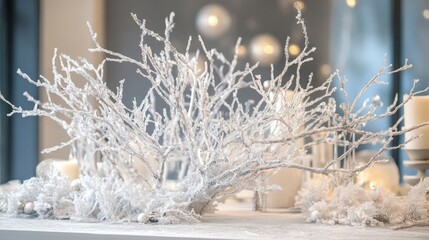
222 143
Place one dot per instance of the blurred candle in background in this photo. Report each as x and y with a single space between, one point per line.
288 179
416 111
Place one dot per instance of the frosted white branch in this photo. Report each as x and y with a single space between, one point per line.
221 143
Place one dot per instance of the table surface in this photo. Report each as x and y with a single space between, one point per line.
225 224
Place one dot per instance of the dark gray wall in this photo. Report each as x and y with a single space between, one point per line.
249 18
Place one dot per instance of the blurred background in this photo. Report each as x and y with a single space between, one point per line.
350 35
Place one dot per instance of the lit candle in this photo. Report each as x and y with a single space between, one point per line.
384 175
381 174
67 168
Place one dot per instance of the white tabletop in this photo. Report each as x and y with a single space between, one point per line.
226 224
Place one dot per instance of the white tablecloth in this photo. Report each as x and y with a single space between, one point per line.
225 224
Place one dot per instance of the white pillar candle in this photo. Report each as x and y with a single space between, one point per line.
279 106
416 111
322 153
67 168
288 179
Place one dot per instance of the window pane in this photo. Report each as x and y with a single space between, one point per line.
19 49
361 36
3 65
415 47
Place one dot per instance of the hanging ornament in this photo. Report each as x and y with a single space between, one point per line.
290 5
265 49
213 21
294 50
325 70
241 51
299 5
351 3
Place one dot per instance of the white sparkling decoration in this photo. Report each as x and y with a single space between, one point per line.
75 184
350 204
217 143
213 21
29 208
265 49
141 218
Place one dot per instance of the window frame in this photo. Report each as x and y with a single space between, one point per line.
19 49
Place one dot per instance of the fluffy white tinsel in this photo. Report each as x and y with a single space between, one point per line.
351 204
